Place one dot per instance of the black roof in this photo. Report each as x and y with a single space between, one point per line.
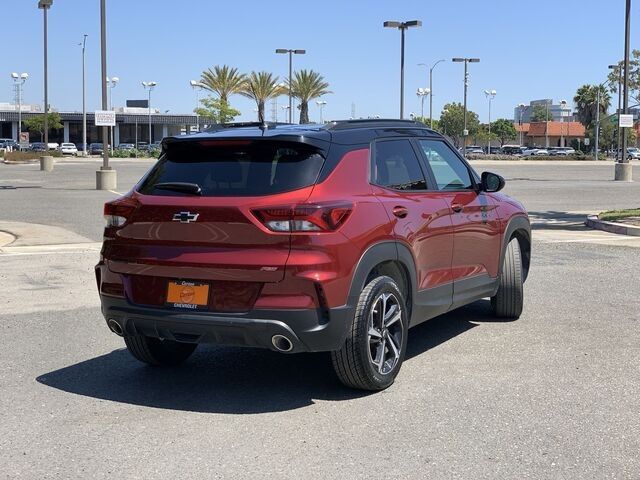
344 132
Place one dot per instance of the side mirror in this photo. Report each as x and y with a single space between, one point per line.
491 182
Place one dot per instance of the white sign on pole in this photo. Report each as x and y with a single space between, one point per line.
105 118
626 120
586 141
24 139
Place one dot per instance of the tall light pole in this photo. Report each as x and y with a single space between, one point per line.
431 89
520 108
623 166
45 5
490 94
197 86
619 130
19 82
466 61
84 98
422 92
321 104
106 178
149 86
402 26
111 82
290 52
563 106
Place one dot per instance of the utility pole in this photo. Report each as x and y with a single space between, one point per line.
84 99
465 131
597 146
45 5
623 169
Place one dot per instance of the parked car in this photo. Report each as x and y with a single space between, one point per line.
143 146
473 149
155 146
7 142
96 149
80 147
38 147
279 236
561 151
633 153
53 146
535 151
126 146
68 149
491 150
511 149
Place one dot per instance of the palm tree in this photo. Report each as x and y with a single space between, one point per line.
586 100
260 87
305 86
223 80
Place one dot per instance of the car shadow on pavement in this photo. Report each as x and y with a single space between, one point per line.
238 380
556 220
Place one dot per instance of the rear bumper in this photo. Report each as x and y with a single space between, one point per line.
309 330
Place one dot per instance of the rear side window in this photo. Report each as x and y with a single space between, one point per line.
449 171
396 166
235 167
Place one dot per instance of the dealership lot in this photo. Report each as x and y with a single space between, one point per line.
552 395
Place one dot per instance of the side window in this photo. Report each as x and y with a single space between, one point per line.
449 171
396 166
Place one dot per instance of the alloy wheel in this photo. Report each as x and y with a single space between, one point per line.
385 332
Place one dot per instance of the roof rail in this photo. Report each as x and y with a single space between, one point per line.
224 126
374 122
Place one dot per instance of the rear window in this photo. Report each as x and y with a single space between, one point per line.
235 168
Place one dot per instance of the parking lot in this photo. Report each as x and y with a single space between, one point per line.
552 395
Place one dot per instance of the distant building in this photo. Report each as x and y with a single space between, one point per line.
536 134
556 111
132 125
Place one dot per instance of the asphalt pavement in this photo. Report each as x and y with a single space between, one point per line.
553 395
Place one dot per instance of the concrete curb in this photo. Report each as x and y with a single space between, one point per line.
594 222
21 162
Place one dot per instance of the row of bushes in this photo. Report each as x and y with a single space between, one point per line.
135 153
575 156
28 155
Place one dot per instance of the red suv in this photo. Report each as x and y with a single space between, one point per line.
307 238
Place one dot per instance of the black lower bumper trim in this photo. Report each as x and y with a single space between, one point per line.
308 330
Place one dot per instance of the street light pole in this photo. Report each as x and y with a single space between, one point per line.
520 108
597 121
431 90
563 105
112 83
19 82
149 86
321 104
84 99
45 5
196 88
422 92
490 94
465 132
402 26
290 52
623 172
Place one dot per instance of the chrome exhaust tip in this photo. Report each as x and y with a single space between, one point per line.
115 327
282 343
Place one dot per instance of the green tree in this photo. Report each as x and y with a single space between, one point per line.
305 86
223 81
217 110
260 87
427 122
634 76
452 122
504 130
586 100
540 114
36 123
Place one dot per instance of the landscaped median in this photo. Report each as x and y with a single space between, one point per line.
28 156
623 222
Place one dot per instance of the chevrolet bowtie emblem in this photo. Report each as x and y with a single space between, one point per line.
185 217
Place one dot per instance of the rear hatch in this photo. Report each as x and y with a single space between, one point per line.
195 215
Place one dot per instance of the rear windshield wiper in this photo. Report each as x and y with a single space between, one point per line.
192 188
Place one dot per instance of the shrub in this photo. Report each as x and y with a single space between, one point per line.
28 155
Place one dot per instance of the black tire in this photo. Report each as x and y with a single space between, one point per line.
508 301
156 352
354 363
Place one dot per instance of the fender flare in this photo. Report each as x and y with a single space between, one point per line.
517 222
376 254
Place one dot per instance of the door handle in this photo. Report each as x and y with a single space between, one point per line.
400 212
456 207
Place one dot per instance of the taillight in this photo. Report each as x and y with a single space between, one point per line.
304 217
117 212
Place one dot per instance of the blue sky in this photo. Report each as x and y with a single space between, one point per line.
528 49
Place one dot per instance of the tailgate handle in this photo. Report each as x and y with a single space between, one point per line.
456 207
